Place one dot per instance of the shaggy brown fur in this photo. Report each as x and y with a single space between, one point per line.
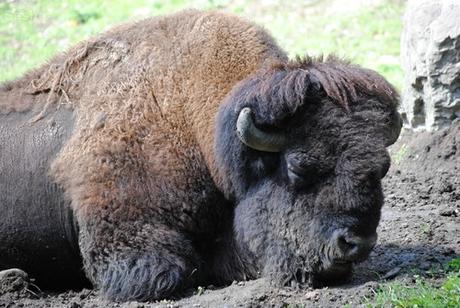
145 96
140 168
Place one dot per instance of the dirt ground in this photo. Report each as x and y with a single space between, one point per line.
419 230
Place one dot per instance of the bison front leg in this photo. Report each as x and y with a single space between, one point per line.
136 262
130 238
141 278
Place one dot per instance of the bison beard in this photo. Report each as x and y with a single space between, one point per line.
198 153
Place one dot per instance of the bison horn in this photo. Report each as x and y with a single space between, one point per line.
395 129
254 138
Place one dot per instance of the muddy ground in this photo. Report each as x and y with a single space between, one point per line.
419 230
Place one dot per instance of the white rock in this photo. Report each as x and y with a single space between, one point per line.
430 51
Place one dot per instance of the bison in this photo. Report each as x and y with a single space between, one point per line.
188 149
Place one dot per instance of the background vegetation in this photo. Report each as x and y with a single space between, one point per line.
365 31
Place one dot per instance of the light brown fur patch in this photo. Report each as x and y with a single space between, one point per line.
147 91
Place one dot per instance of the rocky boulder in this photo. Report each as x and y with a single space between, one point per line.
430 51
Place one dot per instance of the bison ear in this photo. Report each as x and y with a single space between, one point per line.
394 128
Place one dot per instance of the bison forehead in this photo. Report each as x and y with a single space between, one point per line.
325 129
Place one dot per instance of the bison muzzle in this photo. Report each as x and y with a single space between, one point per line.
188 149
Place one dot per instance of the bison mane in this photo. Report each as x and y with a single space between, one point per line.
339 80
278 92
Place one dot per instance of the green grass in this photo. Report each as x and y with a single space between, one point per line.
32 31
369 36
400 155
423 293
454 265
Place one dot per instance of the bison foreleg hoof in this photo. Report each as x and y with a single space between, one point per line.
14 280
142 279
13 273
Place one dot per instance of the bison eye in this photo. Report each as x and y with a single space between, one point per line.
296 168
301 173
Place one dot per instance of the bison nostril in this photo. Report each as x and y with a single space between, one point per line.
354 247
348 247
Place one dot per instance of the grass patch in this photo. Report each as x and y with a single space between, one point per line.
400 155
423 293
31 32
454 265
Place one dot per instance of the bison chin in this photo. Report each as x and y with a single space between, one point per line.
301 274
332 275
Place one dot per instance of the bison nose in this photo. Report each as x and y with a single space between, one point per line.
354 247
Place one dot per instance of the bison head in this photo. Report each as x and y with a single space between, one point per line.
302 150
